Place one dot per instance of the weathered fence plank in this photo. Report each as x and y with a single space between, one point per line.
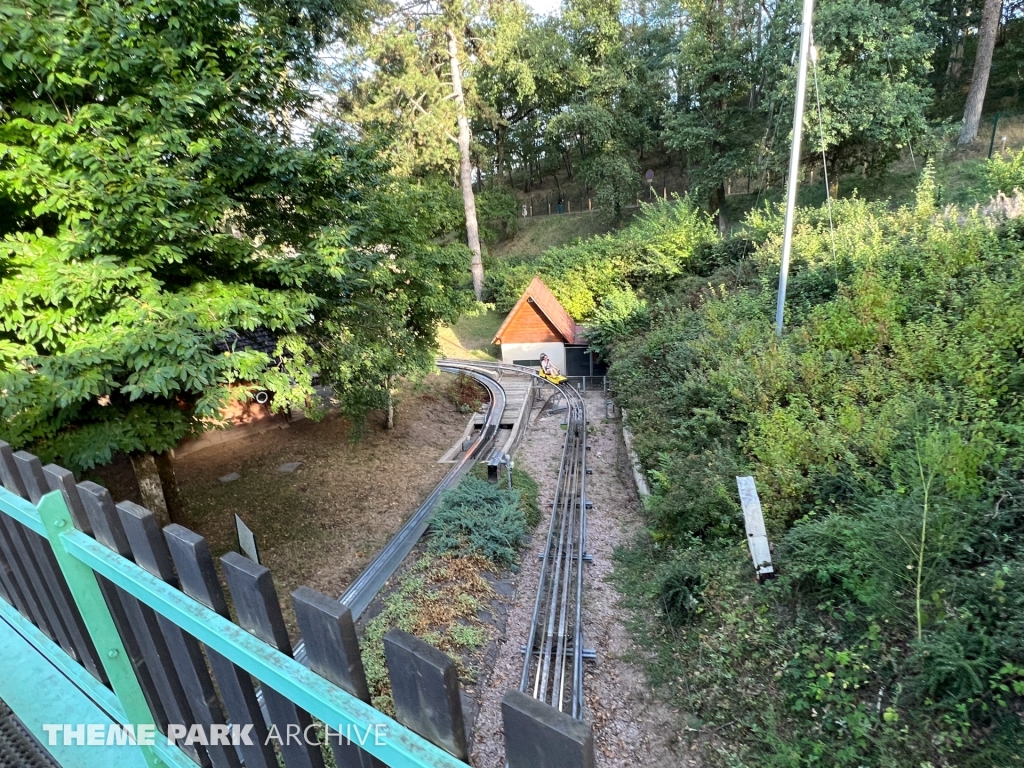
153 638
29 552
539 736
425 686
93 499
14 544
167 698
150 552
757 537
255 599
31 470
332 651
198 576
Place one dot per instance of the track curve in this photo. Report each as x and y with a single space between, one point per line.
368 584
553 655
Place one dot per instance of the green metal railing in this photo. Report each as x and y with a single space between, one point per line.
81 558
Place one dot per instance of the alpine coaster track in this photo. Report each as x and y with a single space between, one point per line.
554 655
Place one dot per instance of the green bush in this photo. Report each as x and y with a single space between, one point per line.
1005 175
479 518
498 212
679 588
653 249
886 434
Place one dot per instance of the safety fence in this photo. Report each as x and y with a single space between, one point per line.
119 648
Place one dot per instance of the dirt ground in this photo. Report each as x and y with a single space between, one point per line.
630 727
321 525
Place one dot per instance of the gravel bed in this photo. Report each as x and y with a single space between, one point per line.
631 728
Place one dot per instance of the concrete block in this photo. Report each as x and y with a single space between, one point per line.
426 691
539 736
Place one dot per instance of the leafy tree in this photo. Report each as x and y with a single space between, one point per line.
873 62
395 280
157 207
718 118
418 91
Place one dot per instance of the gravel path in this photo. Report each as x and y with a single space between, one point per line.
630 727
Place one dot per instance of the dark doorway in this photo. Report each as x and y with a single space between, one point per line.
579 361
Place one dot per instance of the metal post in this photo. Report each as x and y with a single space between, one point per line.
53 511
794 159
992 143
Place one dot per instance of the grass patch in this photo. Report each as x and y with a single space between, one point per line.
471 336
529 495
539 233
437 600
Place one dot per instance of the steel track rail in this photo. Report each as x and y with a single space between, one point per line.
553 664
368 584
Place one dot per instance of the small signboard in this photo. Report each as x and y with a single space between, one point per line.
650 177
246 540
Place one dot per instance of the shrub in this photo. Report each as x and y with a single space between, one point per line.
679 591
653 249
479 518
886 433
1005 175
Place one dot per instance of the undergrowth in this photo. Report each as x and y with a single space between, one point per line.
475 532
437 600
886 434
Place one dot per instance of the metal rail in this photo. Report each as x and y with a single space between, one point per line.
553 663
364 589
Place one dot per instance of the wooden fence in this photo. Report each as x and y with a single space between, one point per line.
108 622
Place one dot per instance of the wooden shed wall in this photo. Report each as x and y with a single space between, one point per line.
529 325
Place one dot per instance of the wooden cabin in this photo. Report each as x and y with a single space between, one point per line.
539 324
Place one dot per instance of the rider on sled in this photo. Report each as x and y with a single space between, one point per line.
549 371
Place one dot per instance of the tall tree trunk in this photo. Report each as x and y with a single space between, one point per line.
150 488
169 484
466 166
390 423
717 209
982 66
956 63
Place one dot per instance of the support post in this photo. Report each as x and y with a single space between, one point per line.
53 511
794 159
992 142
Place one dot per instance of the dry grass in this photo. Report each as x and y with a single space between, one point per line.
437 599
321 525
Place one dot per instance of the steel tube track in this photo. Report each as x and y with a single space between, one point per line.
553 663
368 584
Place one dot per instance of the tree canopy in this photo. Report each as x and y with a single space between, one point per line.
157 206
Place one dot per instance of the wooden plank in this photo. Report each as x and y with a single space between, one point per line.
198 576
156 673
255 599
31 470
332 651
425 687
753 519
10 577
89 494
14 550
150 552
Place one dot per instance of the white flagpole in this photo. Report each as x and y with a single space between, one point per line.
794 159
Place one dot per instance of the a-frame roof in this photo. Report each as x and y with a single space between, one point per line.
540 296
